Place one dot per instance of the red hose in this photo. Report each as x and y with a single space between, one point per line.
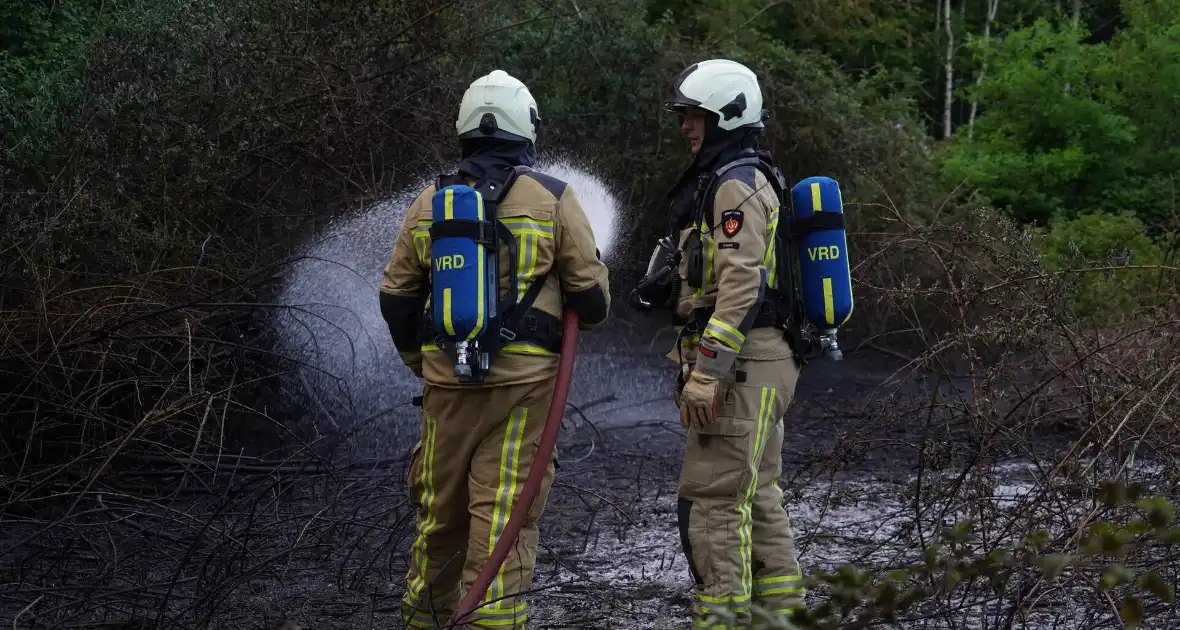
565 372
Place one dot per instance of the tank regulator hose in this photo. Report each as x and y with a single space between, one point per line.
532 485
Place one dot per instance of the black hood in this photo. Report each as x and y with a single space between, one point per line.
719 147
481 156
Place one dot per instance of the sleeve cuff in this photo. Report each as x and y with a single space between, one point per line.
410 358
714 359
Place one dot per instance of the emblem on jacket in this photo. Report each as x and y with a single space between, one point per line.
731 222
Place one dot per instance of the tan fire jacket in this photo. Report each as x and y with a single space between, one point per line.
552 235
740 262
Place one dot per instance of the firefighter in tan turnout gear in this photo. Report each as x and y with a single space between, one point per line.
478 438
738 363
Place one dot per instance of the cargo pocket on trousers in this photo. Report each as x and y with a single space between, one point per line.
716 459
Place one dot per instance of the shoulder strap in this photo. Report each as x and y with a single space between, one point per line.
516 311
748 158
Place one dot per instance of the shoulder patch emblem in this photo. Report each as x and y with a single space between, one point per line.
731 222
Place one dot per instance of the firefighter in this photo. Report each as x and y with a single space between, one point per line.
478 439
738 351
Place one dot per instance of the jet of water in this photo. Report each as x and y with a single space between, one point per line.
332 326
595 196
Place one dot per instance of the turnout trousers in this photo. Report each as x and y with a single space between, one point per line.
733 526
466 472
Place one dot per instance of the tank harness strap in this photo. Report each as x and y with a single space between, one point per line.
525 323
708 187
817 222
482 232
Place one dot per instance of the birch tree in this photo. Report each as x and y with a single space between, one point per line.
949 68
992 7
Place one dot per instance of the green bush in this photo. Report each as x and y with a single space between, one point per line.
1111 262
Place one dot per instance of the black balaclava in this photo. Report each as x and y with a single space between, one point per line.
717 147
481 156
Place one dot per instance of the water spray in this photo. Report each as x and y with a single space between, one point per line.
334 327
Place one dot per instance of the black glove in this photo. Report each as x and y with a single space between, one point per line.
661 286
658 291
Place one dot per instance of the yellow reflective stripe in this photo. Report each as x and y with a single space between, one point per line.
725 333
528 232
707 245
780 585
770 260
534 248
741 599
501 608
526 348
505 490
495 615
523 225
414 587
417 615
829 303
522 266
477 620
782 579
708 605
449 204
523 347
420 243
782 590
447 323
529 245
422 237
816 205
745 538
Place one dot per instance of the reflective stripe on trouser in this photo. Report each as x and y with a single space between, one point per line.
733 526
466 472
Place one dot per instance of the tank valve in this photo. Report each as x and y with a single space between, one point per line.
462 368
830 346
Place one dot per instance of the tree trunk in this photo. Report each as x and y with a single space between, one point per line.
949 68
1074 21
992 7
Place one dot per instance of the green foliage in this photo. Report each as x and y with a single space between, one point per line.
41 45
1039 151
1069 127
1105 244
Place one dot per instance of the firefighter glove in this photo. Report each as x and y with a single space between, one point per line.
698 400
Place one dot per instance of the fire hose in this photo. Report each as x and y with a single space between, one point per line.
532 485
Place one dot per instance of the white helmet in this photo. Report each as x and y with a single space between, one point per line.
724 87
498 105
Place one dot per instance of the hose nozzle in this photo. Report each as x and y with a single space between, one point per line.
658 285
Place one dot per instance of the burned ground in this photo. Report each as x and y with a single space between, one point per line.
321 539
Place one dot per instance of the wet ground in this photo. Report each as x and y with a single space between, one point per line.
611 554
323 542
